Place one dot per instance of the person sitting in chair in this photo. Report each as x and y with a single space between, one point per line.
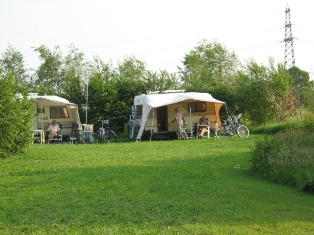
204 122
53 130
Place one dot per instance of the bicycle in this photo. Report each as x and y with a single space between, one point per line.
232 126
104 133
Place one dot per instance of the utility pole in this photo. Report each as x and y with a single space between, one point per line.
289 50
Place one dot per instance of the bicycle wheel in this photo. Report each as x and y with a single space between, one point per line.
113 136
243 131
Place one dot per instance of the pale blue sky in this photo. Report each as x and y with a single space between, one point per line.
157 32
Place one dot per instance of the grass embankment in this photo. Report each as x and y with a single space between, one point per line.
161 187
287 156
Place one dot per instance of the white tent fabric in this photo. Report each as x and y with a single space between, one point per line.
158 100
50 98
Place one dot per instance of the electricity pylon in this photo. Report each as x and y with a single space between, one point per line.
289 50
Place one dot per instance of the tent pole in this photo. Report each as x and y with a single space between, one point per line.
86 103
190 118
151 130
41 110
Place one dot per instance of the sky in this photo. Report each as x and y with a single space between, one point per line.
159 32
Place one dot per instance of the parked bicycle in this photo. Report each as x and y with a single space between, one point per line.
232 126
104 133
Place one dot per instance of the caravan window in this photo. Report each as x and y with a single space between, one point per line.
197 107
58 112
139 110
41 110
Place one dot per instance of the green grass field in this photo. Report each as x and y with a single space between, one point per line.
159 187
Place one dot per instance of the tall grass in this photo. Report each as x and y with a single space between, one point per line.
161 187
287 157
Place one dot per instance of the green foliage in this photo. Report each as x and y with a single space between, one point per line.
287 157
49 73
271 128
12 61
15 118
308 122
253 86
301 78
208 66
160 81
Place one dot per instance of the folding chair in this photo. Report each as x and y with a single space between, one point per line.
188 132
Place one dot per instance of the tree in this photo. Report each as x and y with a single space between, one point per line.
252 93
302 85
12 61
48 78
209 66
75 73
130 76
285 101
161 81
102 99
15 117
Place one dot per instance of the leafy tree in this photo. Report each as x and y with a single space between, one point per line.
102 98
12 61
302 85
301 78
15 117
252 93
161 81
209 66
130 82
75 76
285 101
48 78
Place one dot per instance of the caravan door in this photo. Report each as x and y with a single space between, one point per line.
162 118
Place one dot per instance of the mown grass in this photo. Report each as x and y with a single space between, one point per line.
160 187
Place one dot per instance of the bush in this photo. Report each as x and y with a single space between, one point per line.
287 157
308 122
15 118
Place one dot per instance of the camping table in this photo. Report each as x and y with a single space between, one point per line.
42 135
208 130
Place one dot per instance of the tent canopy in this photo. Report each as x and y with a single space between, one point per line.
158 100
50 99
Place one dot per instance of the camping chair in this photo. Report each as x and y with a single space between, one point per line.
188 130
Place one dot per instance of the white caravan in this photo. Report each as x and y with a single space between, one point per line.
46 108
154 112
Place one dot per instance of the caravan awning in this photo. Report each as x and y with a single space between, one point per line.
157 100
50 98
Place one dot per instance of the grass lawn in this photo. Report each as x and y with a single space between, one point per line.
159 187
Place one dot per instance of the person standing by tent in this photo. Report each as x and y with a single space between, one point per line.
179 118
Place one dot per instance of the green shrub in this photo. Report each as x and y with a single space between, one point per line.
287 158
308 122
15 119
